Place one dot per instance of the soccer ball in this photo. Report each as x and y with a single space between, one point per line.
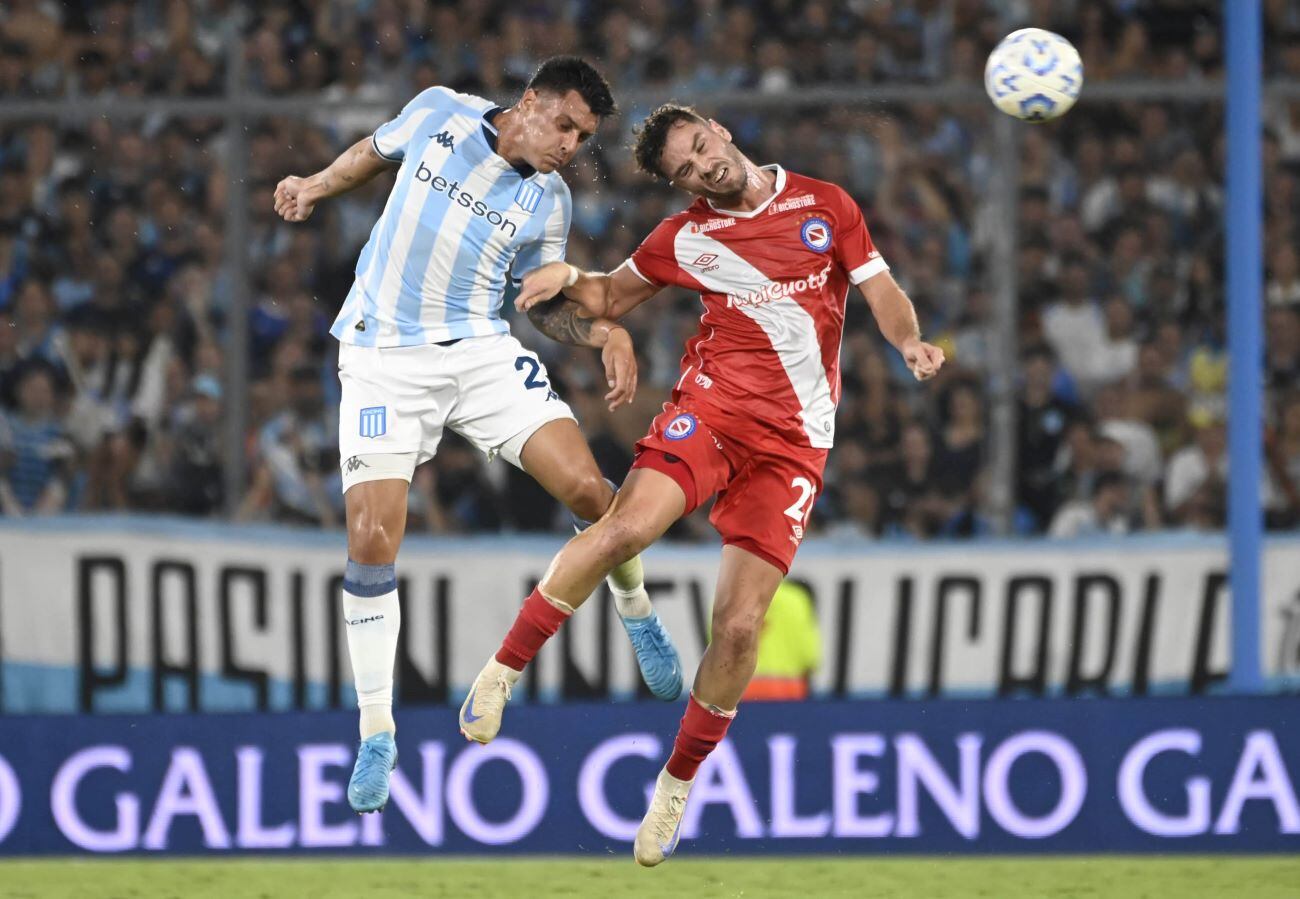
1034 75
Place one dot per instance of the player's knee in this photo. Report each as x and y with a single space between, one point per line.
588 496
371 540
621 538
737 634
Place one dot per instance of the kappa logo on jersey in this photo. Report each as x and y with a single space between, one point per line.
446 140
528 196
374 421
680 427
816 235
775 290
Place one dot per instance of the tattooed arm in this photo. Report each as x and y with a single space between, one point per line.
565 321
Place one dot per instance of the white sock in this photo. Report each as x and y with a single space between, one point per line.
632 603
627 583
373 619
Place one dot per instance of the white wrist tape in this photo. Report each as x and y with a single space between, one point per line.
574 272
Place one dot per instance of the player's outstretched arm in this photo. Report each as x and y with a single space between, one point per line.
600 295
563 320
295 197
896 318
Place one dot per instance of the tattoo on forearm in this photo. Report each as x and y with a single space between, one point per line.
558 319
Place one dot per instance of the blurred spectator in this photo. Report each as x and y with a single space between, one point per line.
1283 454
1106 512
1075 327
913 504
1043 420
296 474
35 453
960 452
193 483
1117 420
1284 278
1195 472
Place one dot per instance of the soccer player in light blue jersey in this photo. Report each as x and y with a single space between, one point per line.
423 347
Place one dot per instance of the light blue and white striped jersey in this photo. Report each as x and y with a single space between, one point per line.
458 219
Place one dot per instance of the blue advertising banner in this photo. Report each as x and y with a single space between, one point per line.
1214 774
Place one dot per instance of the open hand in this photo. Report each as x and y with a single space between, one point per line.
620 368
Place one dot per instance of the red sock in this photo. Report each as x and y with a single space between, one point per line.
534 625
701 730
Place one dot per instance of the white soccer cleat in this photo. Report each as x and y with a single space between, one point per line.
660 829
480 716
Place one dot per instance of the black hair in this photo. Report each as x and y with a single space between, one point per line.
652 134
561 74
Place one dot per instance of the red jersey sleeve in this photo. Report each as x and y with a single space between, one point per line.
655 261
853 247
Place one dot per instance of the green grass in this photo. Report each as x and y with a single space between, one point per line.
1111 877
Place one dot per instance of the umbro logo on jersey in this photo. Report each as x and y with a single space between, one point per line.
708 262
445 139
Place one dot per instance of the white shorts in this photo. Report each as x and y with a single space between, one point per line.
397 401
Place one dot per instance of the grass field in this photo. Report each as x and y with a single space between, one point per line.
682 878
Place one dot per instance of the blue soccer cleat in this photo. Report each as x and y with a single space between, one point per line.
368 788
661 667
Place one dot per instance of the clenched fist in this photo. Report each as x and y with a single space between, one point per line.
294 201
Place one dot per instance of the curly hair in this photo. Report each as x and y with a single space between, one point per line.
652 134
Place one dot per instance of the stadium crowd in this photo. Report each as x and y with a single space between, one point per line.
114 300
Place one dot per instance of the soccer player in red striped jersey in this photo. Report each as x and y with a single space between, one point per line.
772 255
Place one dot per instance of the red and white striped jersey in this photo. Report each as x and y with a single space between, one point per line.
765 365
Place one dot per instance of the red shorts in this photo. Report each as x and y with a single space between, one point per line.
764 497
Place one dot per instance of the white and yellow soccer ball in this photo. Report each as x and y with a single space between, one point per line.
1034 75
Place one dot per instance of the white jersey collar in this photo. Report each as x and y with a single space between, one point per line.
776 192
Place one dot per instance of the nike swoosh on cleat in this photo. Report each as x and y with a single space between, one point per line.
469 716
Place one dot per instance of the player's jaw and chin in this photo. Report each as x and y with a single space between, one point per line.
726 193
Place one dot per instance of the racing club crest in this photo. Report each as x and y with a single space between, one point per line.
816 234
680 427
